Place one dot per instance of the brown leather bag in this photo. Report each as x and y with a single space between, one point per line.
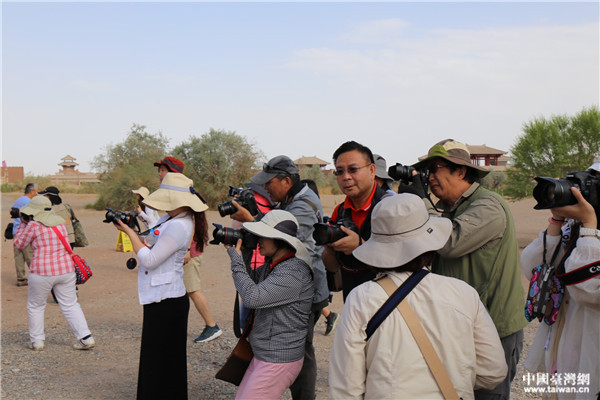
237 363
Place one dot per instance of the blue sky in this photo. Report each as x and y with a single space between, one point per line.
293 78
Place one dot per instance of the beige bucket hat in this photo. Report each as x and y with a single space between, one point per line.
280 224
142 191
401 230
176 190
40 207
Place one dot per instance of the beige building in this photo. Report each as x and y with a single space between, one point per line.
308 162
69 175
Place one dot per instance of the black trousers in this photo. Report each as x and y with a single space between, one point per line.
163 356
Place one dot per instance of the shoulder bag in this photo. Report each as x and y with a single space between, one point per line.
80 238
8 234
83 271
433 361
548 283
238 361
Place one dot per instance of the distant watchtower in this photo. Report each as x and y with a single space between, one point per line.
68 165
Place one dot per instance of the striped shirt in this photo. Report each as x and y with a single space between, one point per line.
50 258
282 301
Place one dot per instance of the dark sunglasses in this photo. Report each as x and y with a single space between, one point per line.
434 168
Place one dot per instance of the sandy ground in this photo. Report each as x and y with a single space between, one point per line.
110 303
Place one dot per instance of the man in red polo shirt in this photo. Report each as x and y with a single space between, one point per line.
355 172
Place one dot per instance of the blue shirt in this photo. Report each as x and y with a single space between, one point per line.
21 202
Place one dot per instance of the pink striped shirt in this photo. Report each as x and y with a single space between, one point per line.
50 258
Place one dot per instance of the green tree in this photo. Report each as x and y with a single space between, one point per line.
314 173
129 165
553 147
217 160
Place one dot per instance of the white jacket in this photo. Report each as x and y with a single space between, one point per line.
578 349
160 275
391 366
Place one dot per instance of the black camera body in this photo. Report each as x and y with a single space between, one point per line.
550 192
15 212
404 174
129 218
230 236
245 199
328 233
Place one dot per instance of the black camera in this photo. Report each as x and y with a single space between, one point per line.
404 173
245 199
129 218
230 236
325 233
551 192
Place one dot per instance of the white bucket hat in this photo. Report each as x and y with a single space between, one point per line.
176 190
280 224
40 207
142 191
401 230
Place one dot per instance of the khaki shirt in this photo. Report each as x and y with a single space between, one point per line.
391 366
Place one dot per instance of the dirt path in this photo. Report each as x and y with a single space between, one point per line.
110 303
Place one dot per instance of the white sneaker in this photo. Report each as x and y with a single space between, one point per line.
38 345
84 344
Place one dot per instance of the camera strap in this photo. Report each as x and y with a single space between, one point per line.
416 328
153 228
394 299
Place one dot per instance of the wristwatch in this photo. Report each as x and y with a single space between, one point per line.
589 232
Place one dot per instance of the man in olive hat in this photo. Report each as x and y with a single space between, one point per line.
482 249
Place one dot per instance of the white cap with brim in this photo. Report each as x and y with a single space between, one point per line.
40 208
176 190
401 230
280 224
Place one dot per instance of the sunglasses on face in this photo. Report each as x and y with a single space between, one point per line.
434 167
350 170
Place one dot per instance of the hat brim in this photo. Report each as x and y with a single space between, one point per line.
141 193
481 172
263 177
168 200
263 230
383 175
47 218
393 251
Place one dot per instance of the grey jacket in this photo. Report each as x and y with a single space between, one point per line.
282 301
306 207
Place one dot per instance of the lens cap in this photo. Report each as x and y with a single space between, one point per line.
131 263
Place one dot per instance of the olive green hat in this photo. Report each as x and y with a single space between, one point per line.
453 151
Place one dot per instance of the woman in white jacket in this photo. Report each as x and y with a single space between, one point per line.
569 348
163 357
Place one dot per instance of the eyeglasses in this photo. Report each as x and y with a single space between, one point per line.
350 170
434 168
